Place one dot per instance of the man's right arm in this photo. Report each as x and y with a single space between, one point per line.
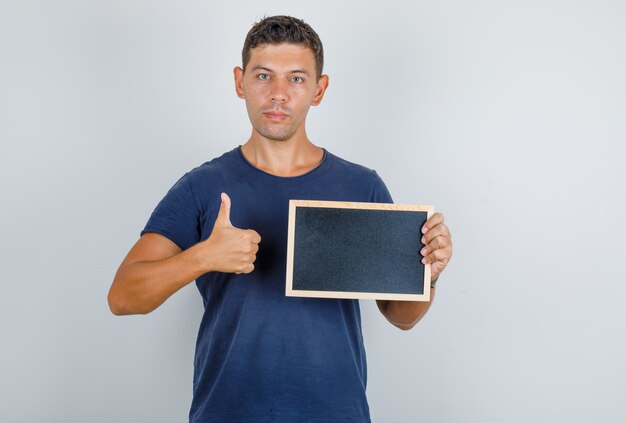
155 268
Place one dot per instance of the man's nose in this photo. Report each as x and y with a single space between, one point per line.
279 92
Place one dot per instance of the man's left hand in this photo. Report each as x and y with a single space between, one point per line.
438 245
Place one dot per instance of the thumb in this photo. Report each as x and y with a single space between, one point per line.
223 216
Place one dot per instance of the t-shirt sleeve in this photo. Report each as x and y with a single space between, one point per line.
380 193
177 216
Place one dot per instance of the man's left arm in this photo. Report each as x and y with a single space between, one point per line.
437 252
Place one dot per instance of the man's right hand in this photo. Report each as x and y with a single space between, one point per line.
156 267
230 249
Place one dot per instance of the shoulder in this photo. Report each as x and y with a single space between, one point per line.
211 172
353 170
361 178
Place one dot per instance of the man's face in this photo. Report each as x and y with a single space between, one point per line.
279 85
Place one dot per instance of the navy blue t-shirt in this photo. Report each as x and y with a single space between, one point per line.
261 356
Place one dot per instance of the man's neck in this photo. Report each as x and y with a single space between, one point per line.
282 158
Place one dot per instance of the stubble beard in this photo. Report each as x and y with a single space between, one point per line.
277 132
275 135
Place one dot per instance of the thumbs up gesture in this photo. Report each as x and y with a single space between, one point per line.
230 249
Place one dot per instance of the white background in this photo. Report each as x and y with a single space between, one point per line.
508 116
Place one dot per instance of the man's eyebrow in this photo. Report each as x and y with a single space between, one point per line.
263 68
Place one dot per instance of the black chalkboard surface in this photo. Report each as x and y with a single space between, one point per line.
356 250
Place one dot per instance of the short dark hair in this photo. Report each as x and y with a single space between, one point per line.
283 29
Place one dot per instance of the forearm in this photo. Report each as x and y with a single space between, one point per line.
405 314
142 286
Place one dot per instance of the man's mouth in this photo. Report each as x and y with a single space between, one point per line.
276 116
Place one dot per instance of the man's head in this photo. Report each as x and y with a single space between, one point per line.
283 29
281 77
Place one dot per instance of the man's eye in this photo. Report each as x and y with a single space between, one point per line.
264 76
296 79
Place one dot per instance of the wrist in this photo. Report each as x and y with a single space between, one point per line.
433 282
201 257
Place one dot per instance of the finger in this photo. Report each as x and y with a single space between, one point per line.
436 231
437 243
254 236
223 216
434 220
248 269
251 248
439 255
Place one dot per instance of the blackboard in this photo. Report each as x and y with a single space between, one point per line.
356 250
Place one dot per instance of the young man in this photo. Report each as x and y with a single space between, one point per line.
262 356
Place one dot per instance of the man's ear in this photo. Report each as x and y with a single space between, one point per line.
322 84
238 74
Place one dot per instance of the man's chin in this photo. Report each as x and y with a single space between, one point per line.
273 136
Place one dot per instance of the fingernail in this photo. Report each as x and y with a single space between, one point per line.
424 229
423 240
424 260
423 252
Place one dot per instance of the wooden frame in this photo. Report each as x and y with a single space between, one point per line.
289 289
